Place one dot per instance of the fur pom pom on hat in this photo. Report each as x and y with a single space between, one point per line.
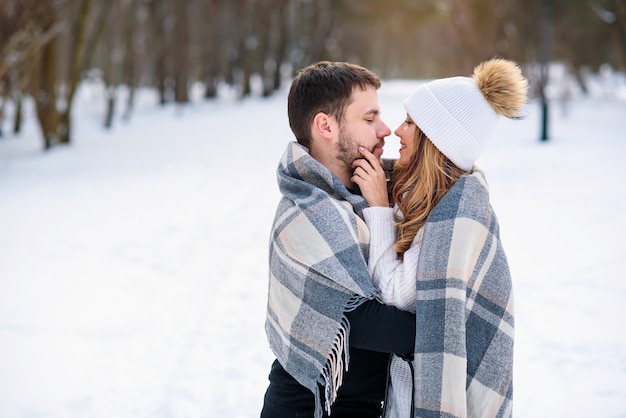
458 114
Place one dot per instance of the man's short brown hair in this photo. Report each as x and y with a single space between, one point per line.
324 87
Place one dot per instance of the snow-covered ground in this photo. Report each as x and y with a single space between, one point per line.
133 264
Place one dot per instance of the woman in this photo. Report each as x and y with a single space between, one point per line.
441 255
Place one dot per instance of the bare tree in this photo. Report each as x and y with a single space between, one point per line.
210 56
113 55
132 40
181 51
159 31
26 28
44 84
272 42
85 31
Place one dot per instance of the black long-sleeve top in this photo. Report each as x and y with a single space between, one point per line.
376 331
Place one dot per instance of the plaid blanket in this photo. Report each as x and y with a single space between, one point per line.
463 369
318 271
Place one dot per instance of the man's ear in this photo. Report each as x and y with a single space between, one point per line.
322 125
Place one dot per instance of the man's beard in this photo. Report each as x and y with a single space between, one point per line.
347 149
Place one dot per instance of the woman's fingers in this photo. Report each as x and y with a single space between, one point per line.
371 158
358 173
369 163
362 164
370 177
361 167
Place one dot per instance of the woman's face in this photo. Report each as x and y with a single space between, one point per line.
406 132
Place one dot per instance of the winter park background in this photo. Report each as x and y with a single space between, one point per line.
133 263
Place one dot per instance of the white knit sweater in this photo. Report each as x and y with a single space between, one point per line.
394 278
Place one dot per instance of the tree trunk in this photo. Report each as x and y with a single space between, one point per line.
321 29
2 100
212 54
17 121
159 45
83 46
130 77
267 66
110 106
181 51
251 40
45 96
76 62
229 52
283 41
274 56
110 68
619 30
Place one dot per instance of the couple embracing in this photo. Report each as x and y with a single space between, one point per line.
394 309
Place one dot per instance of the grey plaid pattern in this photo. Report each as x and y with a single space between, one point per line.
318 271
464 344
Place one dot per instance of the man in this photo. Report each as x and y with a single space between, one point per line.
331 336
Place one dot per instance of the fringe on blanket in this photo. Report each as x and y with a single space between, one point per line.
337 364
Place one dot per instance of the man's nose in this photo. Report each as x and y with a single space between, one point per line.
385 131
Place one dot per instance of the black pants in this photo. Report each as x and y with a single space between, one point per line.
360 396
363 389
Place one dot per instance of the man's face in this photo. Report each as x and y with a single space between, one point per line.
361 126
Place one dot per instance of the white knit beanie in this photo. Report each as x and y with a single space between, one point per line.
458 117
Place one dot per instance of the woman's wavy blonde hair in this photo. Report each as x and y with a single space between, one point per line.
419 186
